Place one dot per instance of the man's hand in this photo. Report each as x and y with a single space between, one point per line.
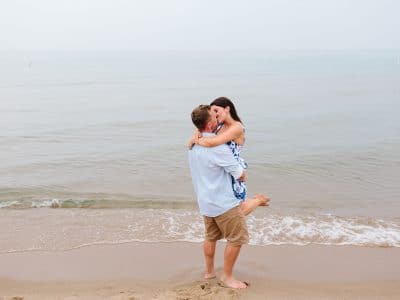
243 177
194 139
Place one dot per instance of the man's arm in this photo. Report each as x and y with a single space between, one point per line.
224 158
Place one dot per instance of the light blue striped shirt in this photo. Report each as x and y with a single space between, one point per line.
211 169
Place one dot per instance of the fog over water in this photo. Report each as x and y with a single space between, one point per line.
206 25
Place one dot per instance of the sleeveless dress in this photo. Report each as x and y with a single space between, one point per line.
238 186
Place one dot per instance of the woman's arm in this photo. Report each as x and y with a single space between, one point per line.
232 133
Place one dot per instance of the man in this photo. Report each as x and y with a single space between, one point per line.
211 170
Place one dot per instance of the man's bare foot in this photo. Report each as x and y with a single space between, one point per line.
263 201
209 275
233 283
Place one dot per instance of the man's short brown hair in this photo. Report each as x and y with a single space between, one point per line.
200 116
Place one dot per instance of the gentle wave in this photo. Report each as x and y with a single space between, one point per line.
324 230
59 229
93 203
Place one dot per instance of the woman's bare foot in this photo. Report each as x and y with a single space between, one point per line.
251 204
262 200
209 275
233 283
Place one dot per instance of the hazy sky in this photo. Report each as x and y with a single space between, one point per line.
199 25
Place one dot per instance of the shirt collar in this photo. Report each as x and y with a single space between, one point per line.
208 134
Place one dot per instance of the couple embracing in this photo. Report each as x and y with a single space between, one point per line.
218 176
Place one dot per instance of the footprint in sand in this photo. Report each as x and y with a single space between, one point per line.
206 290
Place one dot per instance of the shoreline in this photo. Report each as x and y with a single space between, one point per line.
171 270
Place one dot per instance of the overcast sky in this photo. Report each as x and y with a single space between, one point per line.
199 25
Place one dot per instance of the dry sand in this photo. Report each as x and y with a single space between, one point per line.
174 271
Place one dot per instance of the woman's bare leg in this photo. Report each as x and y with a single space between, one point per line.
251 204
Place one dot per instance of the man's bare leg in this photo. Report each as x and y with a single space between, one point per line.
230 256
249 205
209 254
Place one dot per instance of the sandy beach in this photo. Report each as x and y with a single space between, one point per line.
174 271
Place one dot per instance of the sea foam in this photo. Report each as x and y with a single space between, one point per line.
62 229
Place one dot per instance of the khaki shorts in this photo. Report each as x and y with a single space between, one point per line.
230 225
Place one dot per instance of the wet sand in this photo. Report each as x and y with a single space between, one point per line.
174 271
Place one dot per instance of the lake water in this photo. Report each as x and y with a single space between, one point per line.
93 145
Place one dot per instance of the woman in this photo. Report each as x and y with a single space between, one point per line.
231 132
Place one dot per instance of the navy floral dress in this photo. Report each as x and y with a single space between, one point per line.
238 186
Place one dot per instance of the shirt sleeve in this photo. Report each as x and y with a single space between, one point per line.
224 158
